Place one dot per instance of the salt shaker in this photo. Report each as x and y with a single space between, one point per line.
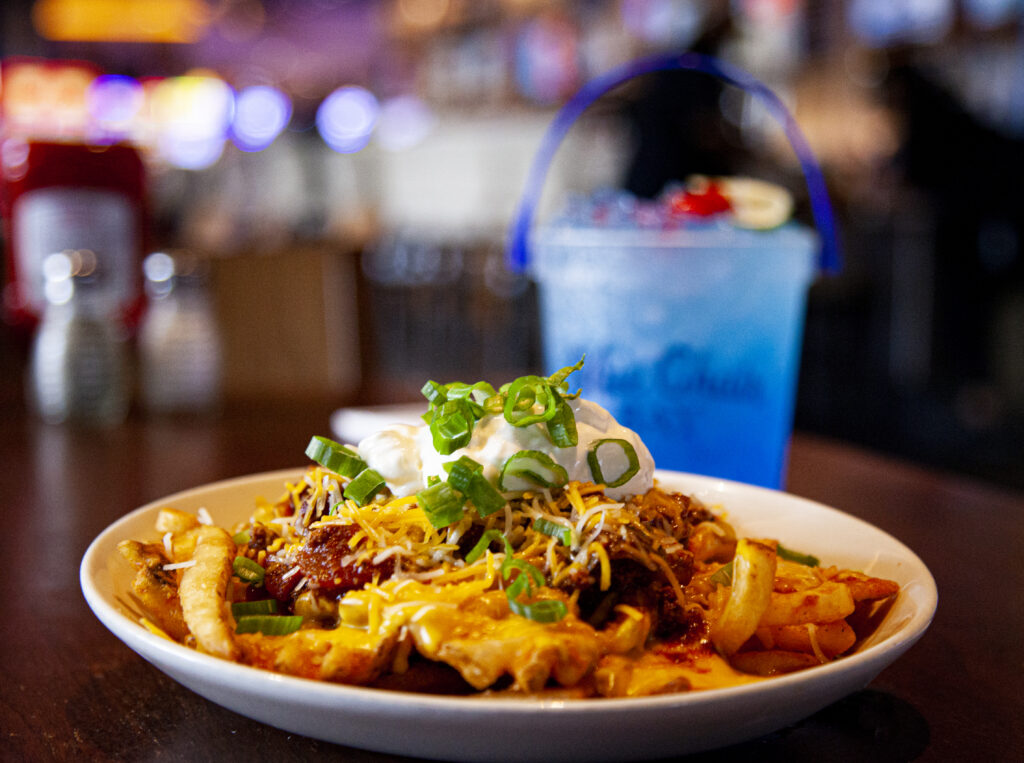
79 363
179 344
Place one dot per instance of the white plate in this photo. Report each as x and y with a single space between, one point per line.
466 728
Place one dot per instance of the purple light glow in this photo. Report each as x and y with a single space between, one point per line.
114 102
346 118
261 113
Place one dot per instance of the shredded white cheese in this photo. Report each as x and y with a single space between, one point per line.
812 632
180 565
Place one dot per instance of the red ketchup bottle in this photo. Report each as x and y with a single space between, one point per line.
66 196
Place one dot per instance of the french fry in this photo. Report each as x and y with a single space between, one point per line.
712 542
628 631
202 592
155 588
827 603
752 579
773 662
791 577
183 544
827 639
621 676
483 648
344 654
865 588
174 521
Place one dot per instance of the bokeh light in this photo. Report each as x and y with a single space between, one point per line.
192 115
346 118
988 14
547 67
885 22
57 270
664 22
46 98
114 103
158 266
423 14
404 122
261 113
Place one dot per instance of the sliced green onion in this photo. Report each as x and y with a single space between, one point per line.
494 405
518 586
723 575
261 607
485 543
543 611
533 466
796 556
441 504
466 462
554 529
434 392
527 574
477 393
484 496
269 625
633 465
558 377
247 570
451 427
364 487
335 456
562 426
468 479
524 395
241 538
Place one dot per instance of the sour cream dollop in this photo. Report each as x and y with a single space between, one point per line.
405 457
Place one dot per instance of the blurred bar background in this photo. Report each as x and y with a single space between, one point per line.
326 186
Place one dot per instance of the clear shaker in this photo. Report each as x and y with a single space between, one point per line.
179 342
79 363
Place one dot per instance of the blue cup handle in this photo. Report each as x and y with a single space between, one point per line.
517 248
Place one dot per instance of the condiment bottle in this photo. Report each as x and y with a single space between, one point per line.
179 343
79 363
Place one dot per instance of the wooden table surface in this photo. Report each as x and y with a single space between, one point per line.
71 690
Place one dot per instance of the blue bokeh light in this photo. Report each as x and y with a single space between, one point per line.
193 154
114 102
261 113
886 22
346 118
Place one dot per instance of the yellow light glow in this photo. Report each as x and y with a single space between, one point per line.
180 21
195 106
423 14
46 97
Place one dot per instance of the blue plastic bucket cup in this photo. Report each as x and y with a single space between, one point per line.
692 335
